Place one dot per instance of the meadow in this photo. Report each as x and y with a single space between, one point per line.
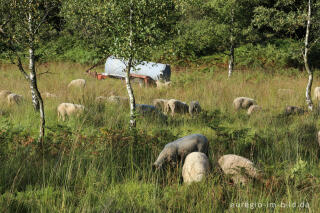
94 163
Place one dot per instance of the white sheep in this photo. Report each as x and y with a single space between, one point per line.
176 106
77 83
239 168
68 109
49 95
14 99
254 109
317 93
195 168
161 85
118 99
243 103
4 94
160 104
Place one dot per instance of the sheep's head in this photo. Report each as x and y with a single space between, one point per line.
168 155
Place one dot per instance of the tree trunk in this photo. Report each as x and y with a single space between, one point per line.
231 54
131 96
36 96
231 61
306 61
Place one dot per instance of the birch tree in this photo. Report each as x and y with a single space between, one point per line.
133 28
232 24
22 29
290 16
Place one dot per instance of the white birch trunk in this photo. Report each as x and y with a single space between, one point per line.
131 96
128 84
231 54
231 61
36 96
306 62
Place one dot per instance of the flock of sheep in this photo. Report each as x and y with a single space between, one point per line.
191 150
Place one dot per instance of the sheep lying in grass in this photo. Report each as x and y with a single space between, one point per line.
239 168
14 99
4 94
293 110
194 108
243 103
284 93
195 168
77 83
118 99
160 104
101 99
49 95
161 85
176 106
177 150
68 109
254 109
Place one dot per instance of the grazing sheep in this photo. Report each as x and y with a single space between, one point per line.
49 95
14 99
118 99
239 168
4 94
254 109
68 109
293 110
195 168
160 104
161 85
150 110
243 103
194 108
77 83
101 99
282 93
317 93
177 150
176 106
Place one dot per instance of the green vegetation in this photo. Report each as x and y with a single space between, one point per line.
94 163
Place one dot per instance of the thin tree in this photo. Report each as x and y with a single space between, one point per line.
23 28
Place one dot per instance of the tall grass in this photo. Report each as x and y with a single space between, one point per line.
93 163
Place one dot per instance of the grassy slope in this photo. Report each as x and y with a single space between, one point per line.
93 164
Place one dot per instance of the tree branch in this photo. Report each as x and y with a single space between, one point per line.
21 69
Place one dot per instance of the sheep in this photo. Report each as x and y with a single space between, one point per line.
118 99
68 109
177 150
77 83
49 95
239 168
160 104
254 109
150 110
195 168
293 110
176 106
161 85
14 99
4 94
101 99
194 108
317 93
243 103
284 92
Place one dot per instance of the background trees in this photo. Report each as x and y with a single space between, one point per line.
129 30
